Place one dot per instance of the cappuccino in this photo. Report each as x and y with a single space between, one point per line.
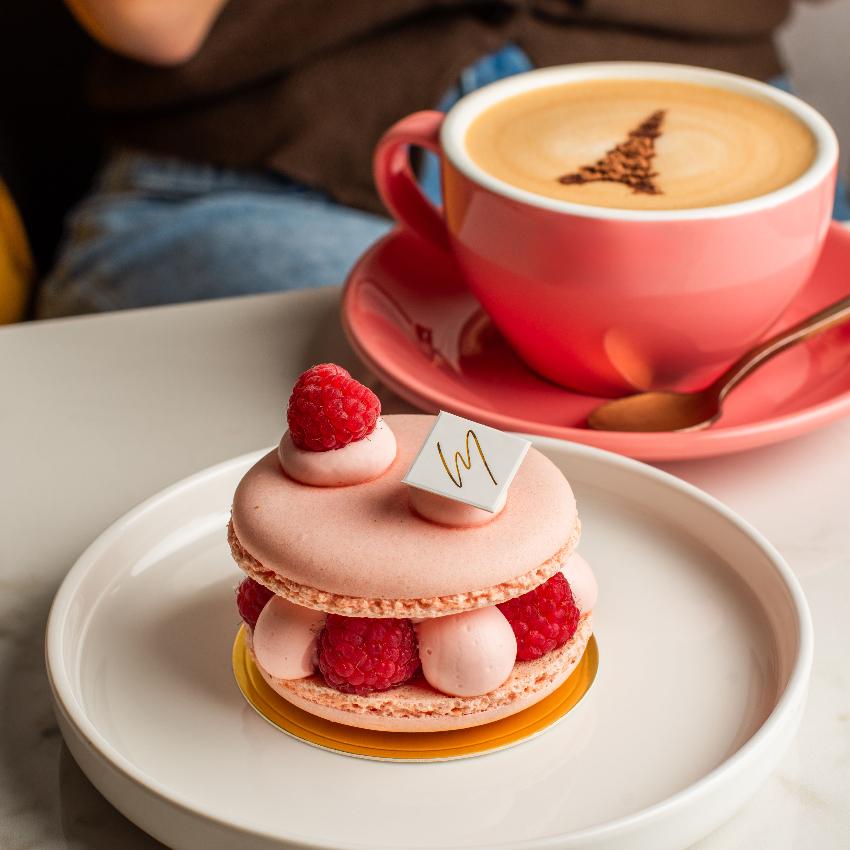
641 144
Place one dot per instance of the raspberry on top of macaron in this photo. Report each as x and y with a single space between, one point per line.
328 409
336 436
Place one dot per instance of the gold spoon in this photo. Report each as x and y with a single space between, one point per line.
671 411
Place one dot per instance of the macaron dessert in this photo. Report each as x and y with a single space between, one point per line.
379 605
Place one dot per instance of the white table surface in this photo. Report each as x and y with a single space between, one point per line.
98 413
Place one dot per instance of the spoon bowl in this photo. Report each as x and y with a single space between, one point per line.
671 411
657 411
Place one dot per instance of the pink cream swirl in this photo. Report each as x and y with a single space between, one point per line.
355 463
450 512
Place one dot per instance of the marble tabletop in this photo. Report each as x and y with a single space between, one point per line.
98 413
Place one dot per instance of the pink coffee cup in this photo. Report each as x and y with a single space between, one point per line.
608 301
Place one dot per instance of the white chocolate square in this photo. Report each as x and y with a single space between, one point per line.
466 461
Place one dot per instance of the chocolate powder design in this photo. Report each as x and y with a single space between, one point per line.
630 163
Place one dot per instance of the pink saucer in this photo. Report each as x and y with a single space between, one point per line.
410 318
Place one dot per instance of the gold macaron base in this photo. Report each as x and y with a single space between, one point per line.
410 746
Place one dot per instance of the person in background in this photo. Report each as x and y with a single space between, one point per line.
241 131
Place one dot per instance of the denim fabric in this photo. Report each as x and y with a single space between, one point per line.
157 230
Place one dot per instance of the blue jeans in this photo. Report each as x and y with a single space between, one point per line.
157 230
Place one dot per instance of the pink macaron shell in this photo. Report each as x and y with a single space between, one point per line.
355 463
467 654
582 582
285 638
364 541
434 723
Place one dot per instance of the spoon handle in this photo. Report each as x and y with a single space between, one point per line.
809 327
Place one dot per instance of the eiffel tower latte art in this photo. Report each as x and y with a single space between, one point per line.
641 144
630 163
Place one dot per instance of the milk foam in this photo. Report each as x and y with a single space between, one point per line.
715 146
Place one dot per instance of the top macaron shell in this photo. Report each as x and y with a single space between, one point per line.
364 541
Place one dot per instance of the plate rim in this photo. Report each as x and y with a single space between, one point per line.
791 698
643 446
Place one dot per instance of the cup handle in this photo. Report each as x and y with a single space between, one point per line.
396 182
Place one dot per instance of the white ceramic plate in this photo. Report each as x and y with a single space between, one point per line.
705 645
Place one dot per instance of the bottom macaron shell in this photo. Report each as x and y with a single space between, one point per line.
416 707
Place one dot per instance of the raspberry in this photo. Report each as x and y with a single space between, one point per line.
359 655
251 598
328 409
542 619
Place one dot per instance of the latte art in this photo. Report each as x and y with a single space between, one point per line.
641 144
630 163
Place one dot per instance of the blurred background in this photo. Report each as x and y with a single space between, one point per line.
50 146
814 44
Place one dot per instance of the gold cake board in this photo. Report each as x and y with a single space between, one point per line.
410 746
